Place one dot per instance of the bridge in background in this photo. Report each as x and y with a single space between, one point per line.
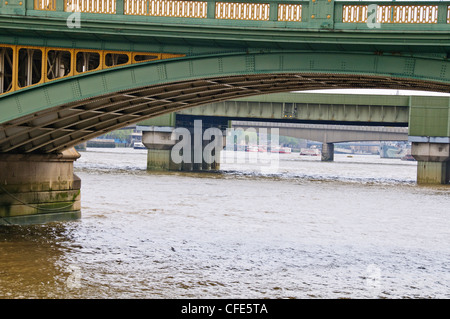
325 118
331 133
328 135
72 70
345 109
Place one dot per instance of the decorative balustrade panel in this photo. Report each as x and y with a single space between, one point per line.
242 11
415 14
425 14
290 12
136 7
448 14
45 5
354 13
178 9
166 8
90 6
384 14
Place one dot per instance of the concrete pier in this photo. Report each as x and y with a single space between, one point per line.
159 144
433 165
39 188
327 152
164 155
179 144
160 160
429 134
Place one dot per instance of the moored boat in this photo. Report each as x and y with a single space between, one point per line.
310 152
251 149
139 146
285 150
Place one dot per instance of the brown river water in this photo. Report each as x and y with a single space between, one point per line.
358 227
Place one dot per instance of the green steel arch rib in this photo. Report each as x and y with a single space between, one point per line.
58 115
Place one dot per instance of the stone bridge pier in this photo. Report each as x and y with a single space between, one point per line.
38 188
327 152
177 143
429 133
433 161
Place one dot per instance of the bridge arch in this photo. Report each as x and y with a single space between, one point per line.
55 116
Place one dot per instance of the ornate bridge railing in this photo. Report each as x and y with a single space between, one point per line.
311 13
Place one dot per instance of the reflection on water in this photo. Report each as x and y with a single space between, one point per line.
356 228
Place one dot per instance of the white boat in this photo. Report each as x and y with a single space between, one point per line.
139 146
285 150
252 149
275 149
279 149
310 152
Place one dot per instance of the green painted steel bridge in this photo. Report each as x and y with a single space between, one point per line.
71 70
74 69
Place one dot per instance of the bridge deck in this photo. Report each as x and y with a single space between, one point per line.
324 14
412 26
71 33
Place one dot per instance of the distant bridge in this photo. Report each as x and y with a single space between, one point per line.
329 108
349 117
331 133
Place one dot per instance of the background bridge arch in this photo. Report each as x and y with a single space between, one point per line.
57 115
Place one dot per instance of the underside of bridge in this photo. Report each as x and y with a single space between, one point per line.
61 127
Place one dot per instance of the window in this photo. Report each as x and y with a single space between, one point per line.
6 67
112 59
58 64
87 61
30 67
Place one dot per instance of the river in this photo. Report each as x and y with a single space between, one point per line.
358 227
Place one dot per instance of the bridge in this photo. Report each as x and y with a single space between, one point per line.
328 135
71 70
331 133
326 118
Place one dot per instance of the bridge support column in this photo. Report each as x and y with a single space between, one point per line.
429 129
206 165
39 188
159 144
215 165
327 152
211 160
161 160
189 147
433 165
161 155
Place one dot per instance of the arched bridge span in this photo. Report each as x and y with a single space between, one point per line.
57 115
